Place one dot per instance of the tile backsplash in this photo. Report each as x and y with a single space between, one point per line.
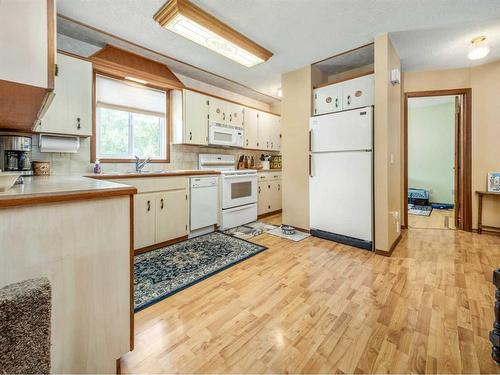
181 157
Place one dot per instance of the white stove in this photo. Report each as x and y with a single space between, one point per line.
238 193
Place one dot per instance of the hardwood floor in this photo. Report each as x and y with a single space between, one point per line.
319 307
439 219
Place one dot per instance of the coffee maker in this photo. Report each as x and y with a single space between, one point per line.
15 154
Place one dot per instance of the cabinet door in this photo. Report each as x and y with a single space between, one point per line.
264 131
172 215
195 118
328 99
263 197
217 110
251 125
275 132
275 195
358 92
234 114
71 109
144 220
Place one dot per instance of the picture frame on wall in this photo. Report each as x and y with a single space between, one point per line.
494 182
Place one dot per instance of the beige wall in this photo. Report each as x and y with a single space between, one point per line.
296 110
485 83
387 145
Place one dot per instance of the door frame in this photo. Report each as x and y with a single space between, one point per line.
465 165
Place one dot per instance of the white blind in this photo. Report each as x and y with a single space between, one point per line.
119 93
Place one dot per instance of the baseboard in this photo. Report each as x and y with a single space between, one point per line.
159 245
391 250
261 216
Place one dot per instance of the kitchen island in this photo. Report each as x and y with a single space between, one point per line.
77 232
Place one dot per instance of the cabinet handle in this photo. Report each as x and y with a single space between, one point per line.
336 102
349 99
269 186
279 187
190 136
230 117
161 200
247 142
310 140
149 205
259 189
272 144
223 115
78 125
257 144
267 144
310 166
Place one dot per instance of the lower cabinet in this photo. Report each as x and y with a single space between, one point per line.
269 192
161 208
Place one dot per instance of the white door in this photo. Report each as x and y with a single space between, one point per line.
275 132
340 193
358 92
264 142
343 131
251 125
172 219
263 198
217 109
328 99
195 118
234 114
144 220
71 109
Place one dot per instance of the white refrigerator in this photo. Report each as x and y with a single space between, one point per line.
341 177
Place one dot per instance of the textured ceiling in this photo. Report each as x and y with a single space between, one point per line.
428 34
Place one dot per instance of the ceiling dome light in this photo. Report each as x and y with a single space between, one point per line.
478 48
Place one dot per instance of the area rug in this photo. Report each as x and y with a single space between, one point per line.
250 230
163 272
297 236
419 210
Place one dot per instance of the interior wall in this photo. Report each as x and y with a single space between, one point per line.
431 150
485 84
296 110
333 78
387 146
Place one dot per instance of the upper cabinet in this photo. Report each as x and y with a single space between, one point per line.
27 66
262 130
193 111
71 108
350 94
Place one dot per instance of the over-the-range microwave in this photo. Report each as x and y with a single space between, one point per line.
225 135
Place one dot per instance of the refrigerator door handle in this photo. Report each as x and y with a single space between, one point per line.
310 166
310 140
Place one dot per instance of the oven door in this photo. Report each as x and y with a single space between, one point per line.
221 136
239 189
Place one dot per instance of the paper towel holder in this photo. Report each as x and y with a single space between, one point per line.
58 143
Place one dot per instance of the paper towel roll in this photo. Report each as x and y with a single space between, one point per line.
56 143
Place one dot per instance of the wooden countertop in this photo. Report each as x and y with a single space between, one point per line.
50 189
172 173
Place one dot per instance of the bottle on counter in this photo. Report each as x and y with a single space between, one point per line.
97 167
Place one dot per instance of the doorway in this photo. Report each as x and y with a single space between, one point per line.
437 167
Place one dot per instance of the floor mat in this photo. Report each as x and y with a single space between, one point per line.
297 236
163 272
250 230
419 210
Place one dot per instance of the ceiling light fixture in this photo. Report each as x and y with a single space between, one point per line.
478 48
186 19
137 80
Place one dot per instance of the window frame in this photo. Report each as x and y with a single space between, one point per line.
168 118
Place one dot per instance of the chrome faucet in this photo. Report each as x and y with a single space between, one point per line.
141 164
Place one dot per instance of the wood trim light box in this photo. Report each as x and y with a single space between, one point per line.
186 19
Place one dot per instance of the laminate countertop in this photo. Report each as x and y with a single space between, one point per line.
166 173
49 189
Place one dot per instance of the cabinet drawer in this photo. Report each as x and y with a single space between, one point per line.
146 185
272 176
263 176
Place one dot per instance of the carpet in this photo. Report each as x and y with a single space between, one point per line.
297 236
419 210
250 230
163 272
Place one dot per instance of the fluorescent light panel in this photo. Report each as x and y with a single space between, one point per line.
184 18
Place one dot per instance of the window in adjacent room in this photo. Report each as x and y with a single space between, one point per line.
130 120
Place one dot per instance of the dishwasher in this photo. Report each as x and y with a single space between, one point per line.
204 205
